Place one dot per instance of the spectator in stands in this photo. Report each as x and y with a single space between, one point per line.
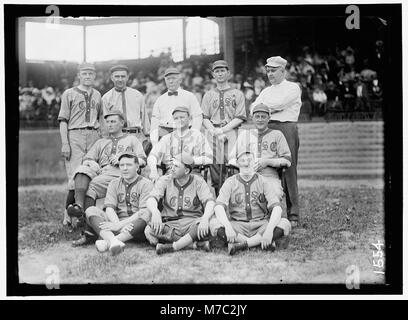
362 97
332 93
319 101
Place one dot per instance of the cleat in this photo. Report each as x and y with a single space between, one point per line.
282 243
101 245
148 232
75 210
116 247
233 248
220 240
272 247
86 238
203 245
294 224
164 248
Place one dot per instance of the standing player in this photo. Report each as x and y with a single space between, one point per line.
181 140
269 147
188 206
254 210
79 119
162 120
101 166
125 216
283 99
224 110
129 101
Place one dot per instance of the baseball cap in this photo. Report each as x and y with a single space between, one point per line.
171 71
129 154
182 109
114 113
261 108
185 158
220 64
86 66
275 62
242 152
119 67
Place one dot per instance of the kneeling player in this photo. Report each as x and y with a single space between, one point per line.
254 209
188 206
125 216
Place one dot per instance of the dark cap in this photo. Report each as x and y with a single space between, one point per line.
261 108
119 67
128 154
182 109
86 66
171 71
220 64
114 113
185 158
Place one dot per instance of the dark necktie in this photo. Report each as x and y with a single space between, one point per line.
122 92
175 93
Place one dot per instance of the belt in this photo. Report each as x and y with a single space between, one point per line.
132 130
86 128
277 121
218 125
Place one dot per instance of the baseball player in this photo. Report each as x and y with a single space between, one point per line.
283 99
127 100
101 166
254 210
79 119
223 110
188 206
125 215
162 120
183 139
269 147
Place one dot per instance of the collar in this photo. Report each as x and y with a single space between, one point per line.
250 181
118 138
264 133
187 134
190 180
83 92
130 185
223 90
117 90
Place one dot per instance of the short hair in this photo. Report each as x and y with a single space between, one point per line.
129 156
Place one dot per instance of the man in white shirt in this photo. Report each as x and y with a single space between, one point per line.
162 121
129 101
284 101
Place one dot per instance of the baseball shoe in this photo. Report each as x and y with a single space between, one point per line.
102 245
204 245
220 240
86 238
233 248
164 248
150 237
116 247
282 243
272 247
294 224
75 210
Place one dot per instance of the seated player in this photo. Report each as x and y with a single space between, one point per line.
100 167
125 216
188 206
254 210
269 147
182 139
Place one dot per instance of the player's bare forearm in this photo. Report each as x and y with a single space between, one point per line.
111 214
209 210
222 216
232 125
152 163
151 205
208 125
197 122
276 215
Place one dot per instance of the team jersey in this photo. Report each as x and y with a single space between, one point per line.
192 142
221 106
267 145
247 200
131 103
105 148
127 199
79 109
179 201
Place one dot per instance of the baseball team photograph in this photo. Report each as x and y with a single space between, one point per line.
191 149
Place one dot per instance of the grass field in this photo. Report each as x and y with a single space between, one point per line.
340 220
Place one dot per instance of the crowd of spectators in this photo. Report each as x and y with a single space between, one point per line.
338 81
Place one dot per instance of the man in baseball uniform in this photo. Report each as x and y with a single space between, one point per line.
269 147
183 139
162 120
188 206
254 210
101 166
224 110
79 119
283 99
125 215
127 100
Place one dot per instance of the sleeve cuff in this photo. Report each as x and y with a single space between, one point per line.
60 119
219 203
241 117
273 205
109 206
206 117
